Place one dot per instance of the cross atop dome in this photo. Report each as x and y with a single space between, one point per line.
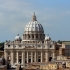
34 17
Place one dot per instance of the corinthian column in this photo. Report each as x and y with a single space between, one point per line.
47 56
17 57
41 56
6 56
53 54
12 57
27 56
31 57
35 57
23 58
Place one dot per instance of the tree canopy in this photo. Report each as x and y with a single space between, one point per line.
2 46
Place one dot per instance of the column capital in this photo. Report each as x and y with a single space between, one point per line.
47 51
53 51
12 51
17 51
23 51
31 51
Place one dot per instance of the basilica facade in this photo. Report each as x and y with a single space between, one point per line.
33 47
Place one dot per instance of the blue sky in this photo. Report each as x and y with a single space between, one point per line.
54 15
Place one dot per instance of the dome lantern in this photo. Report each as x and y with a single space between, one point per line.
34 17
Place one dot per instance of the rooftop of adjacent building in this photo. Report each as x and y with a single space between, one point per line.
66 43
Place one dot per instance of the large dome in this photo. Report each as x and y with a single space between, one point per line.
33 31
34 26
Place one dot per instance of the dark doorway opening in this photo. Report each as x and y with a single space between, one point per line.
25 61
20 60
29 60
50 58
39 60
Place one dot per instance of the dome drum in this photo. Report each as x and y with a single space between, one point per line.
33 36
34 32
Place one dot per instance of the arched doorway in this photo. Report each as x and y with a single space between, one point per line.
29 60
39 60
20 60
50 58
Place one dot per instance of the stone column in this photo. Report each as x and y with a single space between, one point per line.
41 56
35 57
27 56
23 58
6 56
17 58
31 57
47 56
53 54
12 57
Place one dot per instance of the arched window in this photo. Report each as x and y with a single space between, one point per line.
50 46
32 36
36 36
28 36
40 36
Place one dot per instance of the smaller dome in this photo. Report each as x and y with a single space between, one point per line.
17 37
47 37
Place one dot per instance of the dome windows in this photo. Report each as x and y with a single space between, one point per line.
36 36
32 36
28 36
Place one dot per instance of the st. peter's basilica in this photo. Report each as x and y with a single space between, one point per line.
33 47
